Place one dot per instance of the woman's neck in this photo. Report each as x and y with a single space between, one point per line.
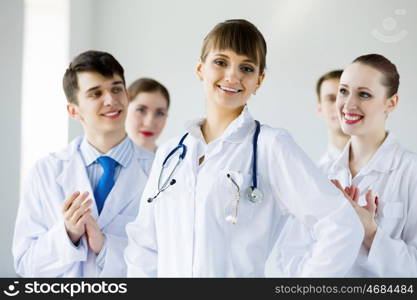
150 146
362 148
217 121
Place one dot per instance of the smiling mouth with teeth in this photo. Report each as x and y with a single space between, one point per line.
113 114
230 90
352 118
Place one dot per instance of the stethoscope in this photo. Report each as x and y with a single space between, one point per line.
253 193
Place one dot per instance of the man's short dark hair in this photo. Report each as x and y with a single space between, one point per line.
90 61
335 74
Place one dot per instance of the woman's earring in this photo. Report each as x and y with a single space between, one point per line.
254 92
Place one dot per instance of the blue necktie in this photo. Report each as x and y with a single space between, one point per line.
106 182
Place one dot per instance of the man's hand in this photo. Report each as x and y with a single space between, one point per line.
95 237
76 211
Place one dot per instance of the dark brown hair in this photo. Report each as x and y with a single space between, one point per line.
240 36
335 74
91 61
391 78
146 85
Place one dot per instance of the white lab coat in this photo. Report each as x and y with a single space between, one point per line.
294 240
328 158
41 246
392 174
183 232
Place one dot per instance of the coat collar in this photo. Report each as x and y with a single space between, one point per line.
332 152
385 159
236 132
68 152
122 153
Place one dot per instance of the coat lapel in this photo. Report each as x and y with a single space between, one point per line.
74 178
130 182
383 162
367 181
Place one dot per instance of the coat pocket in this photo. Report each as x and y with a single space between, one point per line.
234 206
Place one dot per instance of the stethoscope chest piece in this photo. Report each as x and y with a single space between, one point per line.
254 195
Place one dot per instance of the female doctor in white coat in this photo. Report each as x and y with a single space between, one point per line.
374 162
378 173
217 206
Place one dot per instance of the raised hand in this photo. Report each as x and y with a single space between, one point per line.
366 213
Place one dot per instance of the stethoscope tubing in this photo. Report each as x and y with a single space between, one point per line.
169 181
255 150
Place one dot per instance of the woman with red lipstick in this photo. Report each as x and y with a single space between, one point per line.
206 219
374 163
147 112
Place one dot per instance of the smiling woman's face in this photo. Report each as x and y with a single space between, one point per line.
228 78
362 100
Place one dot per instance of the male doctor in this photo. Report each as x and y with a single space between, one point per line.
76 202
327 88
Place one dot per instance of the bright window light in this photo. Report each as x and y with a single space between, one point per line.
45 58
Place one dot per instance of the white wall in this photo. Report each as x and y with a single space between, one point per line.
82 17
42 106
305 38
162 39
11 41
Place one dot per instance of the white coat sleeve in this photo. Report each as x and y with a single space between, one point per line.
403 251
294 246
39 249
304 190
113 264
141 253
